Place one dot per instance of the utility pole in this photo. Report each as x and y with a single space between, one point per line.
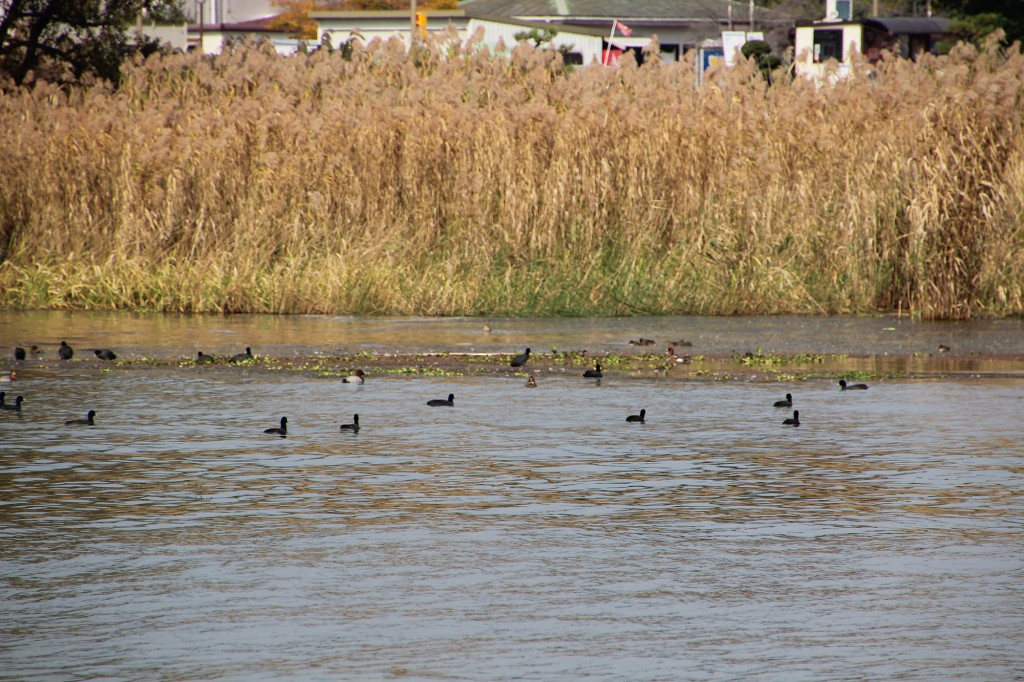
412 23
201 20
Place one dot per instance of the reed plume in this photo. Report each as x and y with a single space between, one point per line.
452 181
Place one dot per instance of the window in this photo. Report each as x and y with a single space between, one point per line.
828 44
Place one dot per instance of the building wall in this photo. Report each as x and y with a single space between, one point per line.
804 49
213 41
492 31
383 28
168 34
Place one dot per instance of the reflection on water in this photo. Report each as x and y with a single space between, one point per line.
169 336
525 533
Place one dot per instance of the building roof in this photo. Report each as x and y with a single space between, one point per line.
533 23
582 10
893 25
910 25
261 25
384 14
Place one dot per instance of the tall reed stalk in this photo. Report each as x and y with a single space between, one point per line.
456 182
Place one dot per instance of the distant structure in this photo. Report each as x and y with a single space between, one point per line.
838 37
229 11
212 38
583 27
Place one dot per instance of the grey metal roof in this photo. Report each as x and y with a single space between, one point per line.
910 25
601 31
605 9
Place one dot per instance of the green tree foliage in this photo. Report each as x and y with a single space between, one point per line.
761 52
64 40
166 12
536 36
977 18
971 29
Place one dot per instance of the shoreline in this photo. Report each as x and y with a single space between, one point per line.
748 367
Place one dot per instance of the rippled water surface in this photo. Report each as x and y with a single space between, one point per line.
522 534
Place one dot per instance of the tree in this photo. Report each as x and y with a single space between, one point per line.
166 12
537 36
761 53
974 19
294 17
53 37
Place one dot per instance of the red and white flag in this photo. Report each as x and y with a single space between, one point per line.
623 29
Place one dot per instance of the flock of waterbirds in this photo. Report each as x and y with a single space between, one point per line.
66 352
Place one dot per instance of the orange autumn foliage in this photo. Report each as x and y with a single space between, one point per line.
294 15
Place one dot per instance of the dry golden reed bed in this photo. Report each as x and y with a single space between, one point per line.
461 183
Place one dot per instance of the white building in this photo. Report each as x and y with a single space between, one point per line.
213 37
579 44
838 40
338 26
838 37
229 11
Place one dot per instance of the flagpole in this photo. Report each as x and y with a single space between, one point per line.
604 57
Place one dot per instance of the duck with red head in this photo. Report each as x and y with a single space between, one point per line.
355 378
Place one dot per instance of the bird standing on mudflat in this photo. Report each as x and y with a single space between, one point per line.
520 360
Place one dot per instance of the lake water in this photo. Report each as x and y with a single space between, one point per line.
523 533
